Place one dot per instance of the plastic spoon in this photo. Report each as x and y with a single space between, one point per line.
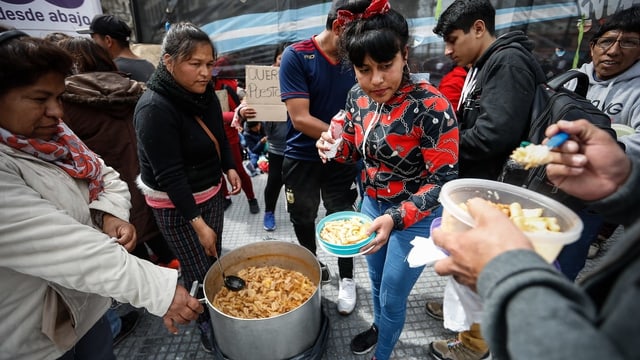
557 140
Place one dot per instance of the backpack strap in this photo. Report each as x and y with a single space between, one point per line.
582 81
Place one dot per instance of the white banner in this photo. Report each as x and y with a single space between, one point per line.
40 17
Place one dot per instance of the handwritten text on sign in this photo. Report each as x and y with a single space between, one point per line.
263 92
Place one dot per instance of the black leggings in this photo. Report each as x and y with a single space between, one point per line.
274 182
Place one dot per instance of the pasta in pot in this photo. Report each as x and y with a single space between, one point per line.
270 291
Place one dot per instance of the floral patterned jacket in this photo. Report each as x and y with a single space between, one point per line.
409 145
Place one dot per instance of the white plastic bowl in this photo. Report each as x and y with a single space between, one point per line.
547 244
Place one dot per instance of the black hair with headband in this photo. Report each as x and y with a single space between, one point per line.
380 36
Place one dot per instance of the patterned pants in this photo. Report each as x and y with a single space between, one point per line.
184 242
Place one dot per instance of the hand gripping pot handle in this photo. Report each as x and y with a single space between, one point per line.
194 288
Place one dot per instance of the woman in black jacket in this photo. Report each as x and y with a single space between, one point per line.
183 154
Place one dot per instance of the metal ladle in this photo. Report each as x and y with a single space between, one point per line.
232 282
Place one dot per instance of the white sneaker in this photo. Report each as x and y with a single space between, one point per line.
346 296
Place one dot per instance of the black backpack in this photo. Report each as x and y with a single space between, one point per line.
553 102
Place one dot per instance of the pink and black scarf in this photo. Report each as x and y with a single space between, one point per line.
65 150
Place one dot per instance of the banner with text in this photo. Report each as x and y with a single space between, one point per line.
262 87
41 17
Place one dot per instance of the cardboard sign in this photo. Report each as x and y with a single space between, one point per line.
262 86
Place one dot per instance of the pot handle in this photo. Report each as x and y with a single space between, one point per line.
194 287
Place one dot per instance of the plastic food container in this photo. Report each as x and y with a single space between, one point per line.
623 130
547 244
343 250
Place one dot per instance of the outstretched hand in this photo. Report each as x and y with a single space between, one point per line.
471 250
183 309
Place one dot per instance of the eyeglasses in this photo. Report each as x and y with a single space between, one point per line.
625 43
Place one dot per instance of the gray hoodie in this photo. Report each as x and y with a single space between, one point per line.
618 97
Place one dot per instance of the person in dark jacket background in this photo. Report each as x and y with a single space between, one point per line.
499 88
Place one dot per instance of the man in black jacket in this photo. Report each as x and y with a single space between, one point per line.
499 89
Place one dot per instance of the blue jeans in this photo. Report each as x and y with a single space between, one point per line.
253 157
114 322
573 256
391 277
97 343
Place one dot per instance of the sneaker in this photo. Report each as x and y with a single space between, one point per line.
365 341
206 336
326 275
254 208
129 322
434 309
347 296
454 349
269 222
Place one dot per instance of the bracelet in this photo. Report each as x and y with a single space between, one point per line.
195 219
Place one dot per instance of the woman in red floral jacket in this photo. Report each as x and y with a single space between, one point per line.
407 134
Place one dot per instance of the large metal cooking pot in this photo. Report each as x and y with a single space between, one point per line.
279 337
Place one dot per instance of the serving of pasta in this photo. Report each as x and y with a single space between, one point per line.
527 220
345 231
531 156
269 291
